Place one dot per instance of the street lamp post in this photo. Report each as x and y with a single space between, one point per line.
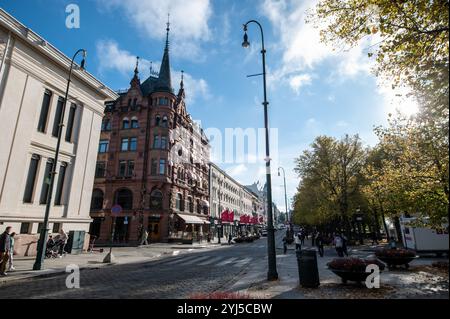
285 193
44 231
272 273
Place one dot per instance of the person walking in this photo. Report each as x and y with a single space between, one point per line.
11 252
230 238
61 239
313 238
319 243
5 243
298 245
285 245
302 237
344 245
338 245
144 237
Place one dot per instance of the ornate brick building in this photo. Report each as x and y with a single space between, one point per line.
152 165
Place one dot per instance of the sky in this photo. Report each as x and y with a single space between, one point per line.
313 89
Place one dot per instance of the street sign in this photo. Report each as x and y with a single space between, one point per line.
116 210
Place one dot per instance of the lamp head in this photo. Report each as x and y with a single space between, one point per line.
245 44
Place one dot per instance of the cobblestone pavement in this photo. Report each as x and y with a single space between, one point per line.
171 277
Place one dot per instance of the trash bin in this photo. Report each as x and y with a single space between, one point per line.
307 268
75 242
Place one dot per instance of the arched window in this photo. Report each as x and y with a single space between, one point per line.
156 198
179 202
124 198
165 121
157 120
125 123
134 122
97 199
106 125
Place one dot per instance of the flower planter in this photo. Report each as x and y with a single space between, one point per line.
396 257
352 269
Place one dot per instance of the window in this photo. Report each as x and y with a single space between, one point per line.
125 123
199 207
153 167
106 125
162 167
60 185
124 145
129 102
97 200
130 170
134 102
100 170
56 228
46 181
70 121
163 101
25 228
124 198
156 197
133 144
58 117
44 111
103 146
164 122
179 202
31 179
157 120
156 142
40 226
164 142
134 123
191 204
122 168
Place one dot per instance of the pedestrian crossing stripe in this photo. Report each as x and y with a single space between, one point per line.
195 260
210 261
217 261
227 261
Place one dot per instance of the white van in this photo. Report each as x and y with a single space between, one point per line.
423 239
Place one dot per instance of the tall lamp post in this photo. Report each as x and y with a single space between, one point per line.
272 273
44 231
285 193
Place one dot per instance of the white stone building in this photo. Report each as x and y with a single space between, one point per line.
33 79
226 194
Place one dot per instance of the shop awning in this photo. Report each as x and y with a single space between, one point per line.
190 219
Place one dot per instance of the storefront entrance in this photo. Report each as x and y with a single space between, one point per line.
121 232
153 227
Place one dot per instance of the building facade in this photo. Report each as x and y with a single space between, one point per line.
152 165
33 79
234 208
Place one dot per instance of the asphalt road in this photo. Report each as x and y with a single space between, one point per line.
175 277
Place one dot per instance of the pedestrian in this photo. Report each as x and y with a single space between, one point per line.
230 238
302 238
298 245
392 243
11 252
144 237
338 245
285 245
344 245
319 243
313 238
374 238
5 243
61 239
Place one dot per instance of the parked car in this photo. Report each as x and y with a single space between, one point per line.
264 233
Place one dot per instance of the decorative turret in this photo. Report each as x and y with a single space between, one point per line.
181 94
135 80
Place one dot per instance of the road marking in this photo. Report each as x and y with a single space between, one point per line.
175 253
227 261
212 260
242 262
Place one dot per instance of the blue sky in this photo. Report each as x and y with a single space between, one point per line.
312 89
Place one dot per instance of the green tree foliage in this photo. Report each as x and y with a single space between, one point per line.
412 41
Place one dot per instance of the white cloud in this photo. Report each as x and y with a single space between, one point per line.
301 47
113 58
189 21
397 100
298 81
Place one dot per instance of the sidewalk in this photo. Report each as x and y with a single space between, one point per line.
420 281
123 255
